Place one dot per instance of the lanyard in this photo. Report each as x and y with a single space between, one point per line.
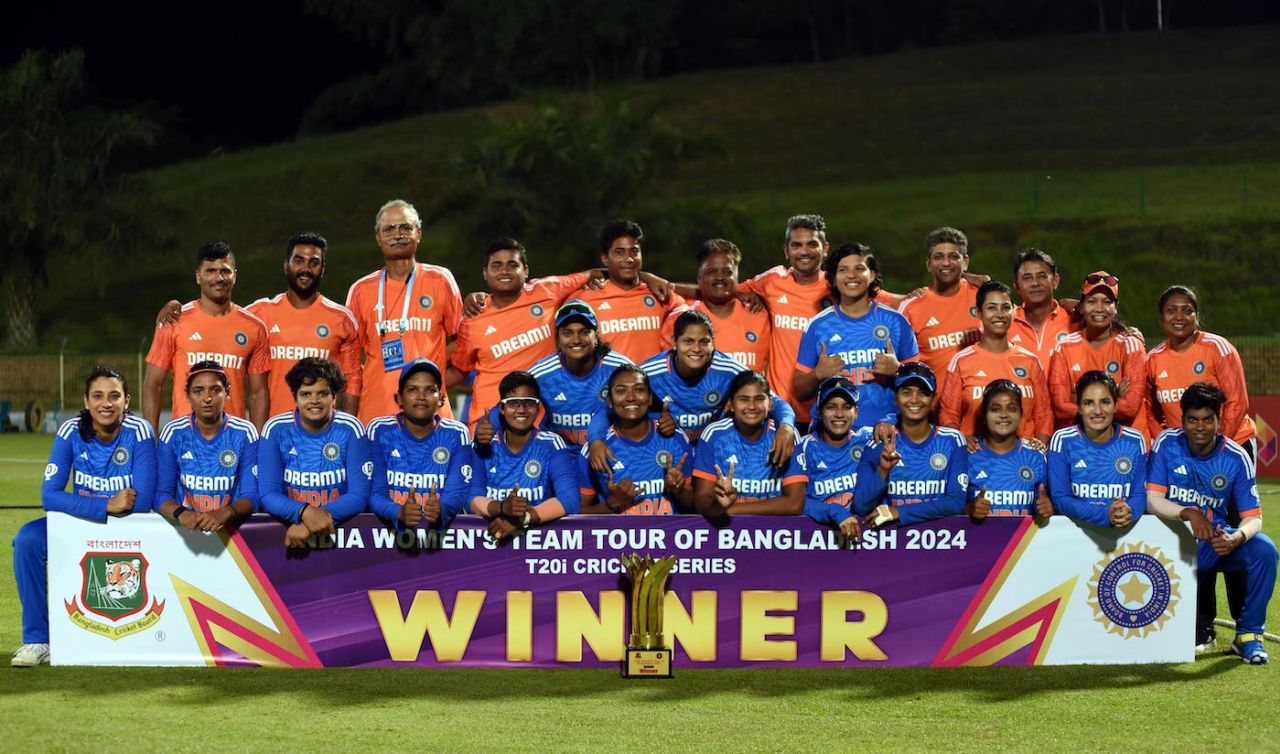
408 296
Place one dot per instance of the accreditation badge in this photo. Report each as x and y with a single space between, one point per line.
393 355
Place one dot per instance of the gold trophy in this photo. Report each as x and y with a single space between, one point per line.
647 654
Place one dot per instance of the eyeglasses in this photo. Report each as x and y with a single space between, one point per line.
1098 279
405 228
521 402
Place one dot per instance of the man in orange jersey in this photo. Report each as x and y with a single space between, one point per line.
211 328
406 310
514 329
945 316
740 333
630 314
1040 322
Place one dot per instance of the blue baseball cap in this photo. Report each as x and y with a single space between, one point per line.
917 372
833 386
419 365
579 310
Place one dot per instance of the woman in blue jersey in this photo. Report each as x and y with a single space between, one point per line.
1006 473
831 454
110 458
922 471
732 473
572 379
522 477
206 459
1098 468
649 475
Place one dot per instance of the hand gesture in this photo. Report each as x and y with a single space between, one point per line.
296 535
851 528
122 502
514 505
317 520
1223 543
889 456
980 508
883 431
751 301
969 338
596 278
886 363
784 443
169 313
484 430
501 529
1035 444
673 479
431 508
885 513
190 519
1123 387
1120 514
1044 506
621 494
216 519
725 493
600 457
411 512
666 422
474 303
1201 529
971 442
827 366
660 287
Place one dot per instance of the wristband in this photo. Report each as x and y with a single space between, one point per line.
301 510
177 514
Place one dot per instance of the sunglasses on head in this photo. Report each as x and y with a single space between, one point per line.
1098 279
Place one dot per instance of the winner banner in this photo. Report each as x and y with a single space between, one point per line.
760 592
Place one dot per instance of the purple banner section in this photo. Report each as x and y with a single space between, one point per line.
761 591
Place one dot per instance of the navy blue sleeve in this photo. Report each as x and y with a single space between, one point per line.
247 476
564 482
53 492
380 502
144 475
1138 490
870 489
455 498
271 488
1063 501
166 475
359 479
782 413
951 503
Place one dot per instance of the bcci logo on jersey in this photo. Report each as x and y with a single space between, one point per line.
241 339
713 398
1133 591
536 310
880 332
1123 465
227 458
1020 371
330 451
937 462
425 302
1113 367
1026 474
440 455
322 331
751 337
532 469
120 456
663 458
1219 482
113 585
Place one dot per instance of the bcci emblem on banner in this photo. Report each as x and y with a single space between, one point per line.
113 585
1133 591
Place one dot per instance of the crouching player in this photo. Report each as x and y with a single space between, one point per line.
113 457
521 477
421 461
922 471
649 473
1196 474
208 459
831 456
314 470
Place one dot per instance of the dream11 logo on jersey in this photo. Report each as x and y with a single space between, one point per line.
113 585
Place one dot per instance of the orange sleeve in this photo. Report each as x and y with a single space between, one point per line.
1041 410
464 351
1129 409
453 299
163 346
1155 411
1061 395
668 334
260 359
561 287
349 356
1231 379
952 397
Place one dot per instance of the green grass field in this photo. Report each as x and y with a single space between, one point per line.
1215 703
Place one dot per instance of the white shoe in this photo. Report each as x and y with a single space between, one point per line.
30 655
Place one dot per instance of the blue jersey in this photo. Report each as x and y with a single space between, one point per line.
833 475
645 464
1085 476
754 479
205 475
930 481
330 468
1012 479
99 470
570 400
858 340
1210 483
402 462
544 468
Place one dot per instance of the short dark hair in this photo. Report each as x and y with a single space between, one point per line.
1202 395
847 250
994 388
618 228
311 370
504 244
213 251
689 318
814 223
1096 377
946 234
1175 290
306 238
990 287
743 379
518 379
1033 254
719 246
208 366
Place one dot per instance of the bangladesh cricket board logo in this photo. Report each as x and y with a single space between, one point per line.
113 585
1133 591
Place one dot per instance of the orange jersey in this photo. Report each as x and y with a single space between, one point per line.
435 308
237 340
1056 326
325 329
630 320
942 323
1122 357
497 341
1209 358
791 305
743 336
974 367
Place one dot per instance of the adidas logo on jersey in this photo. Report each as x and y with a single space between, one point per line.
1180 470
293 451
617 466
84 456
1162 375
395 452
731 459
822 464
981 475
1075 367
1016 339
836 337
603 305
980 373
195 336
1081 464
560 397
782 299
932 321
275 328
491 330
188 457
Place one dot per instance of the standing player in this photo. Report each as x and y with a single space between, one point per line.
919 473
831 455
859 338
421 462
1097 468
211 328
649 473
208 460
629 313
513 331
1007 476
314 468
743 335
1200 476
405 310
945 317
1040 322
110 457
994 357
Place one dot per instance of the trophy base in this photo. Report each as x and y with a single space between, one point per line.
647 663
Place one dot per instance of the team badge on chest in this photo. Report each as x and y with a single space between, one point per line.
937 462
330 451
